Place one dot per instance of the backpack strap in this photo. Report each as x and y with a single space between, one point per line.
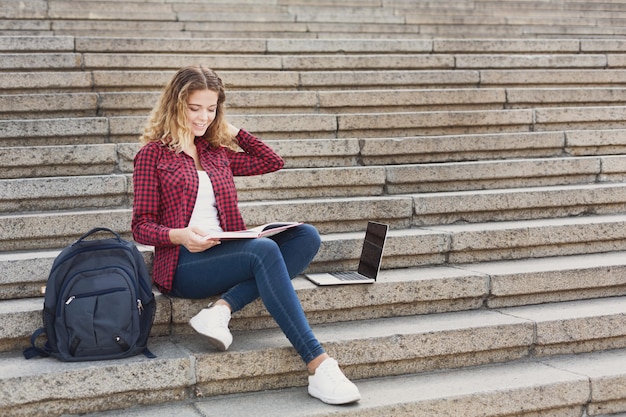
146 352
33 350
96 230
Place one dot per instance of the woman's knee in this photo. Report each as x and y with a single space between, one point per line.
263 248
262 244
309 234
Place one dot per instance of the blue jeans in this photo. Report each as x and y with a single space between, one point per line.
242 270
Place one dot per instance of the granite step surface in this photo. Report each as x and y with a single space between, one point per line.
263 359
397 293
561 386
23 162
74 105
16 82
323 19
126 129
475 47
28 194
476 303
340 209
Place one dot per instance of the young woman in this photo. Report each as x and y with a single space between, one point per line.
184 190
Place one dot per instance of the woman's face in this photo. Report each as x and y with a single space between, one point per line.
201 110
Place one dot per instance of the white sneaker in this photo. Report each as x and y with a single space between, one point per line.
331 386
212 322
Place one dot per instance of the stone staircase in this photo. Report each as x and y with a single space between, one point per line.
490 135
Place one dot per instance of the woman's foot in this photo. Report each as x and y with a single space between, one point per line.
212 322
330 385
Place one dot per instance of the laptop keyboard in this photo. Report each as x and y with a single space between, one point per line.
348 276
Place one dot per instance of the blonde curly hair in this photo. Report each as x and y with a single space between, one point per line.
168 120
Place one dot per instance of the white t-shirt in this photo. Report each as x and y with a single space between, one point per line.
204 211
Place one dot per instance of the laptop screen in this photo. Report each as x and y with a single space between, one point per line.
372 252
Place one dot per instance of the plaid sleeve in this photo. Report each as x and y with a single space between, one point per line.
257 158
146 221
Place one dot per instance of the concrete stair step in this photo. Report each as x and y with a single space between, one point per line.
464 19
46 82
432 177
411 178
65 193
267 46
523 29
478 47
306 30
16 82
303 79
23 162
478 30
557 6
346 181
549 280
104 10
338 14
299 54
55 105
217 29
489 146
460 243
517 203
36 44
390 61
83 104
32 26
488 121
331 211
147 80
118 129
266 22
268 7
72 160
61 61
325 15
561 386
28 240
15 106
75 160
97 159
479 242
572 14
220 62
397 293
527 78
483 7
508 271
365 348
329 195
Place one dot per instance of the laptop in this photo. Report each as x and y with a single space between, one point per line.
369 263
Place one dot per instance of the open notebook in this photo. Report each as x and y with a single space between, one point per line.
369 263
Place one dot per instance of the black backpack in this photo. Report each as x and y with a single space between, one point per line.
98 302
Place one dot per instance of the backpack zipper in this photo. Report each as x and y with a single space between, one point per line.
142 284
94 294
68 281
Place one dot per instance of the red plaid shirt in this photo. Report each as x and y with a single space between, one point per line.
166 186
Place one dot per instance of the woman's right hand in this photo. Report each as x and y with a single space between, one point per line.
192 238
